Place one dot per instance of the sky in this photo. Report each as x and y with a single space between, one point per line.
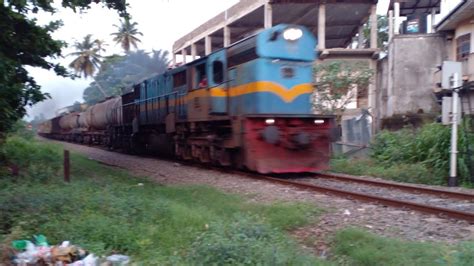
161 22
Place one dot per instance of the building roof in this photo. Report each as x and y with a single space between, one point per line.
411 7
464 11
343 18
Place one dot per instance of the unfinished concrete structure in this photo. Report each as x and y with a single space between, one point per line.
405 76
335 22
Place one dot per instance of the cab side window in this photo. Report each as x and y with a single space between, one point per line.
200 76
179 79
218 72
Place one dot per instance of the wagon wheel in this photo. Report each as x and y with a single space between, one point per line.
204 155
224 158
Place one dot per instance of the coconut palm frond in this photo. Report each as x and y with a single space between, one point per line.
126 35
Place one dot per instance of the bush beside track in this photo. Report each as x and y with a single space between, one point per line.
413 155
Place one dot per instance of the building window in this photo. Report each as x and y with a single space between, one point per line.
463 47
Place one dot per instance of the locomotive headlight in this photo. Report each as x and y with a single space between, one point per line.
319 121
270 121
292 34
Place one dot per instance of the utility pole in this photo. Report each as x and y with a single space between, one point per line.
455 84
451 80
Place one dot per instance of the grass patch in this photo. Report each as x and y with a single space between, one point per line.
106 210
241 243
402 172
356 247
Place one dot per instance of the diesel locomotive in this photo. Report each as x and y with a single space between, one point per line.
246 106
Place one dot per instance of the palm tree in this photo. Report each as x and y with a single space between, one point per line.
88 58
126 34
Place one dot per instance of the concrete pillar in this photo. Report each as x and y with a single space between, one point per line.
208 44
373 27
390 81
174 59
193 51
322 27
433 20
360 41
372 97
390 25
396 6
226 36
268 17
184 54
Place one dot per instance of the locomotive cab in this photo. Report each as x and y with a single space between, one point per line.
270 87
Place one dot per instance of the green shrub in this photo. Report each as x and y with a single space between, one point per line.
36 161
20 129
428 148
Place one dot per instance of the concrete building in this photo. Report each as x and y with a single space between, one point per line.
408 75
458 29
405 76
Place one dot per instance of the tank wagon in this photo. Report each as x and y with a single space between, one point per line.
88 127
247 106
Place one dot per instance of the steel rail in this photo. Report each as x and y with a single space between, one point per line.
439 211
405 187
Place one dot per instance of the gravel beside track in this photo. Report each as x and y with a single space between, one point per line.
432 200
340 213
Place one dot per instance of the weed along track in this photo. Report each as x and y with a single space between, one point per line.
423 200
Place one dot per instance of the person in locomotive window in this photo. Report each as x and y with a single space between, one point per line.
203 82
200 76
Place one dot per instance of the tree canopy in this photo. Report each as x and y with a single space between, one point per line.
382 33
119 72
23 43
338 83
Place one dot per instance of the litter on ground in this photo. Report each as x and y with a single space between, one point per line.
39 252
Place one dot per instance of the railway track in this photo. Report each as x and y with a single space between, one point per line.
367 197
405 187
442 212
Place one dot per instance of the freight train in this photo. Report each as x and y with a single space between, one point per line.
246 106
